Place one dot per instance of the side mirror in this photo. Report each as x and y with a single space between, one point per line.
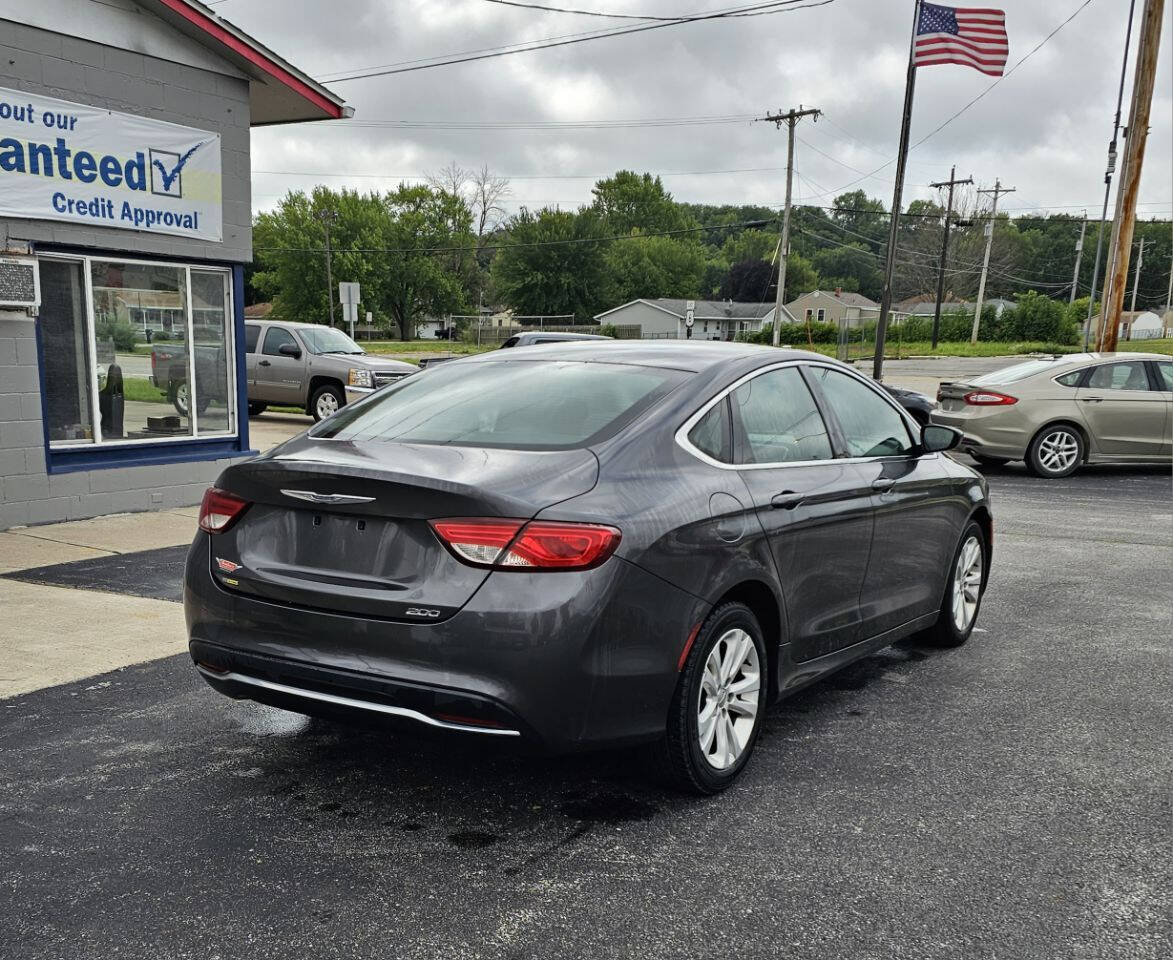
935 438
289 350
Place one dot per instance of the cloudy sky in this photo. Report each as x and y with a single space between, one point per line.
1043 130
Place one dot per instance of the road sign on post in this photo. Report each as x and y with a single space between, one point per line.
348 296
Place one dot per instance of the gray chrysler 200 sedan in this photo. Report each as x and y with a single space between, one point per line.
585 544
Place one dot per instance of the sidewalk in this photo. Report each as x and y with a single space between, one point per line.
51 634
54 634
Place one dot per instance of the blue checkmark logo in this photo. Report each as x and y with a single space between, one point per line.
169 179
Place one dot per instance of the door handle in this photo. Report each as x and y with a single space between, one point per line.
1092 399
786 500
883 484
263 363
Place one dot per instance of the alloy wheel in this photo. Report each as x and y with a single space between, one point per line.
967 584
1058 451
729 699
327 405
181 399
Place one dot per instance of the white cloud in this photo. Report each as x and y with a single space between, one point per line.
1043 130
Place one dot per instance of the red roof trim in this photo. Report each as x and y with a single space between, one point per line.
255 57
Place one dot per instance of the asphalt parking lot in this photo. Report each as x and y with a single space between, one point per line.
1009 799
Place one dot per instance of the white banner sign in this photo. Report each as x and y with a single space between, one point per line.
66 161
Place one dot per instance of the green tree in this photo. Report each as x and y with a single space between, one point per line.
398 246
750 281
553 261
653 267
750 245
852 267
629 202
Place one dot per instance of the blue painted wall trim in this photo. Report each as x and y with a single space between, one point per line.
104 458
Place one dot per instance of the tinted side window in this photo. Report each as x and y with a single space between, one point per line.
711 435
1070 379
1166 371
275 339
511 342
251 333
1119 376
779 420
871 428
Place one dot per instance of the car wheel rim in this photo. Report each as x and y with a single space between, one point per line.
181 397
327 405
729 698
967 584
1058 451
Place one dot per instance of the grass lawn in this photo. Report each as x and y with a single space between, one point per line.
398 347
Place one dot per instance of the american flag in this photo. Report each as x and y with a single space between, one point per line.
972 36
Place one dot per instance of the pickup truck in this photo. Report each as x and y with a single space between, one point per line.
169 373
312 366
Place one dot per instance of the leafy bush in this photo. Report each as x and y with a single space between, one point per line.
122 332
608 330
796 333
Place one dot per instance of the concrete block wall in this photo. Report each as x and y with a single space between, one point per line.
30 495
69 68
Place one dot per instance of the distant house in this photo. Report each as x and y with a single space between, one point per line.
838 307
665 318
429 329
925 306
1139 325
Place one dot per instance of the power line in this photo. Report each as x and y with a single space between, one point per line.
582 13
777 6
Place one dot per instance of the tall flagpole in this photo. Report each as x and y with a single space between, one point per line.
897 200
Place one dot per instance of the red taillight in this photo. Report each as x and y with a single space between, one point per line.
988 398
220 510
538 545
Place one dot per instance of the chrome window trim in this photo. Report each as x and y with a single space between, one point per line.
354 703
685 444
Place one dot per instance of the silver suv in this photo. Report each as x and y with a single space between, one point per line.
312 366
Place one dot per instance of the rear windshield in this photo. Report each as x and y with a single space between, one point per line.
542 405
1019 371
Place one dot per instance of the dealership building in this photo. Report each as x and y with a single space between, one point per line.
125 224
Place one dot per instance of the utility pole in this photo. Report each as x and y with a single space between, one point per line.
1091 299
950 183
1136 276
1136 134
328 217
790 119
1078 257
977 311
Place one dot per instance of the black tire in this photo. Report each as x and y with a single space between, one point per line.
987 461
946 632
326 390
682 761
256 409
1055 452
179 401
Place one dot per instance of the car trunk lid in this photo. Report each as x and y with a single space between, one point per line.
343 526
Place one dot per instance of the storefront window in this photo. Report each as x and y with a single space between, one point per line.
134 346
152 376
65 344
210 325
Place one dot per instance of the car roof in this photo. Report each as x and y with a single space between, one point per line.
695 355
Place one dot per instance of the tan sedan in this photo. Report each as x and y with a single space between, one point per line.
1056 413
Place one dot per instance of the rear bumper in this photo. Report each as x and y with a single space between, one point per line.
989 431
564 660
